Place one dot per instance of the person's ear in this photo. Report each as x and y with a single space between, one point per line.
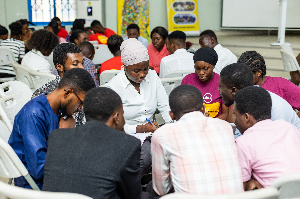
202 109
247 118
172 115
67 93
233 91
76 42
116 118
60 69
258 73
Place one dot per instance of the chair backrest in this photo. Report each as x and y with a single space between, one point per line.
40 78
6 56
107 75
289 60
4 118
12 192
266 193
94 42
171 83
11 166
102 53
4 132
178 73
288 186
23 75
14 87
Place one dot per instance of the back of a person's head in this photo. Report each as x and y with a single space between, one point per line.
54 27
161 31
60 52
43 40
184 99
77 79
254 60
23 22
87 49
96 23
255 101
3 30
100 103
75 35
133 26
15 29
178 37
56 19
78 24
209 33
237 75
114 43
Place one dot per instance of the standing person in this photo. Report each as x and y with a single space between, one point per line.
179 59
133 31
263 138
208 38
40 116
101 33
207 82
61 31
158 48
53 27
183 156
114 43
114 173
41 44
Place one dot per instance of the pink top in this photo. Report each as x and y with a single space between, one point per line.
285 89
62 40
268 150
211 95
155 56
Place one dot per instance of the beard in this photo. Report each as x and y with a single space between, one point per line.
64 111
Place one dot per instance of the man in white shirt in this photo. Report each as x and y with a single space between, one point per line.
133 31
208 38
179 59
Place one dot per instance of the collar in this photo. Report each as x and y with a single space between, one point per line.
162 51
217 47
180 50
189 115
38 53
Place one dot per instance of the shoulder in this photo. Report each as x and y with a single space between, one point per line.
190 78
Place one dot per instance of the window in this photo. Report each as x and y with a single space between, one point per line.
42 11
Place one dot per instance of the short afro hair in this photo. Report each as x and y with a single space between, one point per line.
100 103
75 35
114 43
161 31
87 49
78 80
255 101
133 26
15 29
23 22
43 41
56 19
254 60
210 34
60 52
178 37
184 99
96 23
3 30
237 75
78 24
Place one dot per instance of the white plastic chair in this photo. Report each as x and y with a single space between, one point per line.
266 193
4 118
39 78
4 132
178 73
14 87
6 60
94 42
288 186
102 53
11 166
289 60
12 192
171 83
22 74
107 75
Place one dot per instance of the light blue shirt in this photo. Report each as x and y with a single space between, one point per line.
141 39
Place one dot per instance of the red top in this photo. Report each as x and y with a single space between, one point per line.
62 33
112 64
155 56
102 38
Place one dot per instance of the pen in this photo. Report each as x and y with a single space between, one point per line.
151 123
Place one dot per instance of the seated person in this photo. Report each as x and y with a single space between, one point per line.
158 48
26 32
53 27
114 173
114 43
268 149
88 51
207 82
196 154
3 33
295 75
133 31
208 38
65 57
237 76
278 85
101 33
40 116
61 31
78 36
41 43
179 59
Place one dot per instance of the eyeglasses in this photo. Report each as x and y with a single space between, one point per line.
81 102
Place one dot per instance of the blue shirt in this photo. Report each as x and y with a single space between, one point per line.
141 39
29 136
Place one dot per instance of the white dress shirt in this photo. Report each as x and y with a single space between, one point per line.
225 57
139 106
179 60
36 61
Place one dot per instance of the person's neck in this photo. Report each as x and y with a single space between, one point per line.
117 54
261 81
54 100
16 37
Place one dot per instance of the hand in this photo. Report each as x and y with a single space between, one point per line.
146 128
69 122
252 183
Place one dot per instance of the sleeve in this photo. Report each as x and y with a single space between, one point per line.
130 129
291 93
108 32
160 167
163 68
245 161
130 181
162 101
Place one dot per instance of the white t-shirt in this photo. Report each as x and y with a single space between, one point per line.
36 61
225 57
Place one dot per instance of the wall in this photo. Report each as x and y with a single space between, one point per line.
82 10
14 10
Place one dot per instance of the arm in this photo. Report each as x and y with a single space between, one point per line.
251 184
163 66
225 111
162 101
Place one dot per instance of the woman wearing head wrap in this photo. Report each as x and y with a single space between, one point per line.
207 82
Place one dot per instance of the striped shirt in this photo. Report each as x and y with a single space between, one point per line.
196 154
16 46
